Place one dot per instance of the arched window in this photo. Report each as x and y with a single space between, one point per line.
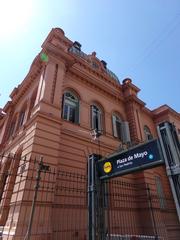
147 133
96 118
117 126
70 107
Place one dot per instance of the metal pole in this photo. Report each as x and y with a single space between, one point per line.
38 178
171 159
91 198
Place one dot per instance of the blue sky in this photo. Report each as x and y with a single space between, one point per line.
137 38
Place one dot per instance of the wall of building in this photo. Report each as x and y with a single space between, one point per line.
65 146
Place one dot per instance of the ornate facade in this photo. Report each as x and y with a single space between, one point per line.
52 114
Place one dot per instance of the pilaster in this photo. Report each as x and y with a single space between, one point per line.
131 100
47 82
58 82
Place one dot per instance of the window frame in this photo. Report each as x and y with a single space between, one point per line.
147 133
72 107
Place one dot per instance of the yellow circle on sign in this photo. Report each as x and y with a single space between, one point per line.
107 167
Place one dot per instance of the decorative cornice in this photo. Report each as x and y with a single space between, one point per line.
105 74
95 84
8 105
22 88
72 63
83 65
60 55
133 98
147 111
94 63
84 62
165 110
57 34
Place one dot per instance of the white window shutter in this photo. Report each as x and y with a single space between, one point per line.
100 121
92 117
125 132
114 126
77 113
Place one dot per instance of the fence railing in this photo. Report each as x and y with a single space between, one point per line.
38 201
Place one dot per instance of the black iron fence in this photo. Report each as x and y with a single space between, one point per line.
70 206
42 201
133 212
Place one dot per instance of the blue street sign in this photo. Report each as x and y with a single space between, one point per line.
141 157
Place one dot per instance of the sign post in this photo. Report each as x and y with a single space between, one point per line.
140 157
91 198
171 150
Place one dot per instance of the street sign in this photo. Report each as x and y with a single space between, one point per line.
141 157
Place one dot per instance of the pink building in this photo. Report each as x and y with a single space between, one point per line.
65 95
